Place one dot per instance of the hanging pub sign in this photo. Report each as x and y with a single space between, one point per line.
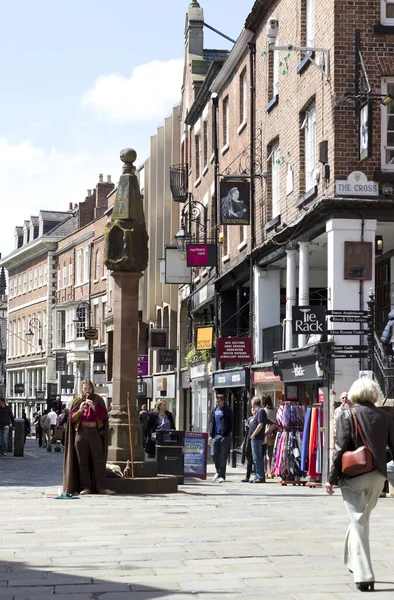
167 356
176 269
309 320
234 349
61 361
19 388
201 255
365 131
91 333
99 357
358 260
234 202
204 338
158 338
40 394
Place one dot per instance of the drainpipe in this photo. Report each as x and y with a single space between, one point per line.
215 212
89 305
252 60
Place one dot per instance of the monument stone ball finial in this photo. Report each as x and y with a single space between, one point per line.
128 156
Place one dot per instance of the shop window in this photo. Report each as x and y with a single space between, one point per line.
387 12
308 127
387 139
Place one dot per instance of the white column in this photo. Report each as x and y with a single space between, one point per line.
291 256
267 305
344 294
303 282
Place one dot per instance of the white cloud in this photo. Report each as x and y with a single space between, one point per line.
34 179
151 91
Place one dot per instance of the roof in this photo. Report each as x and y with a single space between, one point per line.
204 93
211 55
259 8
49 214
66 227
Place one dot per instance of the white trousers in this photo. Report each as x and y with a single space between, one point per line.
360 495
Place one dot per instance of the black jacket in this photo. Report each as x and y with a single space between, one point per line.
6 416
377 425
153 421
227 422
386 335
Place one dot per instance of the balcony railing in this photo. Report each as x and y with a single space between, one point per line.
179 182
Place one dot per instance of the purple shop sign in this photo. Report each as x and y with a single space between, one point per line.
201 255
143 367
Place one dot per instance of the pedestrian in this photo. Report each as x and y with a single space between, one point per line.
361 493
144 418
45 423
159 419
86 444
53 419
38 427
220 436
62 422
247 449
27 424
387 338
7 421
337 412
257 439
271 429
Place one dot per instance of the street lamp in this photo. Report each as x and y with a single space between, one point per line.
191 213
35 324
182 238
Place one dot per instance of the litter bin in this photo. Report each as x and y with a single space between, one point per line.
170 453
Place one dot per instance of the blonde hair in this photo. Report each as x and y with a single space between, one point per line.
365 390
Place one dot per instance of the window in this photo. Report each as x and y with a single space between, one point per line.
197 145
275 180
24 283
59 279
225 122
45 274
96 317
226 243
310 22
30 281
23 335
205 142
104 316
40 276
19 285
11 287
60 328
80 322
35 279
105 271
85 264
275 70
64 277
388 126
243 233
79 267
70 274
97 265
309 127
243 97
387 12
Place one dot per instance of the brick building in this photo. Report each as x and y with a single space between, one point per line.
3 330
301 111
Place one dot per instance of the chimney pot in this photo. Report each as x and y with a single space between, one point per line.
75 205
89 193
70 206
109 179
101 178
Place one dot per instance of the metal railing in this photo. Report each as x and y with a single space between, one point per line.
383 369
179 182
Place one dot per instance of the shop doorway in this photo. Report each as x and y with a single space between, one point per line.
382 294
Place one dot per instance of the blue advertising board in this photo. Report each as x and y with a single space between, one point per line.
196 451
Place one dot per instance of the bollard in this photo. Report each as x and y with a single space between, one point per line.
10 434
19 437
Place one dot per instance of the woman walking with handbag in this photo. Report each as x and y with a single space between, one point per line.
359 468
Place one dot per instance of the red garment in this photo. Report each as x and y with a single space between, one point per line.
88 414
313 443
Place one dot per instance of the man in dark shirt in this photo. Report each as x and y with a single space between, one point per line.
220 433
257 439
6 420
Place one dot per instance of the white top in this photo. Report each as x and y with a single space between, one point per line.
53 417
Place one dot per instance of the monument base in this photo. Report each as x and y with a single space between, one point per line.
119 439
141 468
163 484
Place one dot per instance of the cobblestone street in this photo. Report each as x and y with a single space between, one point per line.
211 541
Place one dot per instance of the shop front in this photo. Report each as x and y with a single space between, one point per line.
302 446
234 384
201 385
266 383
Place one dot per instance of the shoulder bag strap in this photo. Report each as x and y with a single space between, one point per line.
358 428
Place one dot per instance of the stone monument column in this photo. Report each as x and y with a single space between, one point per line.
126 256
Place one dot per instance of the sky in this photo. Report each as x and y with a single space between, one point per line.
80 81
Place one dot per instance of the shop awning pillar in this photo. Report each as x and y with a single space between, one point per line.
303 282
291 256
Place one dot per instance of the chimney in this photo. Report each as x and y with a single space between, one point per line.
194 29
101 178
89 193
75 205
70 206
102 191
109 179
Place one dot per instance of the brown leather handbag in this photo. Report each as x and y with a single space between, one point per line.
359 461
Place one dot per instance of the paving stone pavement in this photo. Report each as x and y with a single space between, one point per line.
209 541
